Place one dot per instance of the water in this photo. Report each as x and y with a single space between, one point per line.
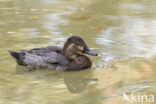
123 32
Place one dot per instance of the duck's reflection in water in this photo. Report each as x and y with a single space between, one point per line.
75 82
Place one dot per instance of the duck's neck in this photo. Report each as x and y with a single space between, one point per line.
70 56
68 52
65 49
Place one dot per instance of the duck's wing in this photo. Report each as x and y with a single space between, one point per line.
40 51
49 55
55 58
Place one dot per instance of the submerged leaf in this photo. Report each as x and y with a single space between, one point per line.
97 28
33 17
81 18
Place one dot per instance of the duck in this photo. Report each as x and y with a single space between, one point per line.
70 57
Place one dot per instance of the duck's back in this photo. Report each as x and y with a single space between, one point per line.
38 58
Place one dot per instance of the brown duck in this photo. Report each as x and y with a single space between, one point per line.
71 57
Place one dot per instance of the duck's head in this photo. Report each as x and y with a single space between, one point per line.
75 46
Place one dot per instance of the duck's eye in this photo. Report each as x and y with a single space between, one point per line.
76 44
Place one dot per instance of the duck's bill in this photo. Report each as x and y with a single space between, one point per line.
88 51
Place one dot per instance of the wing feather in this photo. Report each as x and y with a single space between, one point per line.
46 55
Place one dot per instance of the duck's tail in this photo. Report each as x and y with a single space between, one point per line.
19 56
15 55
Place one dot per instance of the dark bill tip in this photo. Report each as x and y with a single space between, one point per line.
91 53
